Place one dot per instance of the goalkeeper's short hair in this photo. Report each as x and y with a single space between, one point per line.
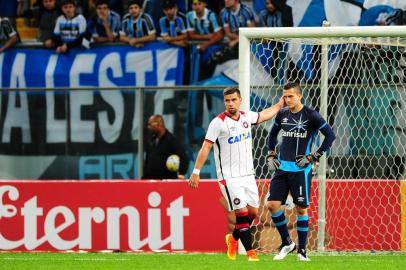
295 85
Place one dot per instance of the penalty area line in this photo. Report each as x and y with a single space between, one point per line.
64 259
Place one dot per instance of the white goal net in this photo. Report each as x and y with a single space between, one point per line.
356 78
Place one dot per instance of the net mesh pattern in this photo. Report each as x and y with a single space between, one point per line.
366 107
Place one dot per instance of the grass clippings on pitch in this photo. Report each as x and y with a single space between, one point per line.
217 261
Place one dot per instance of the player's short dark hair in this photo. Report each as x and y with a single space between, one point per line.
295 85
135 2
167 4
231 90
102 2
67 2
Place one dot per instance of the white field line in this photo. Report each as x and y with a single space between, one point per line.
129 256
64 259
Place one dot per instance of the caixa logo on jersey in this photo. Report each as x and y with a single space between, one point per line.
239 138
27 225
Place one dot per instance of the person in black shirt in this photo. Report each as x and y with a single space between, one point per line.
45 13
160 145
8 35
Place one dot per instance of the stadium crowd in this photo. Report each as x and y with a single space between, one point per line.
207 29
140 21
210 27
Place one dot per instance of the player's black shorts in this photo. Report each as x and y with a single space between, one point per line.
298 183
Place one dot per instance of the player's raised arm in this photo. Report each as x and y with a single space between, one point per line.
270 112
200 160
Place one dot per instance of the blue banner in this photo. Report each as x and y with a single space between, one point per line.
154 64
81 134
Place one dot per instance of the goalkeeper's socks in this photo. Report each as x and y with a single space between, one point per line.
280 222
243 227
302 230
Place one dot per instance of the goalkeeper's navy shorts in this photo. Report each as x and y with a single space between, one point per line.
297 183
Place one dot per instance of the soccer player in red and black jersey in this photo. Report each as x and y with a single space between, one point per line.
230 133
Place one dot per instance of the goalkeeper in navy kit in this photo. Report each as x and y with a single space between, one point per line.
299 126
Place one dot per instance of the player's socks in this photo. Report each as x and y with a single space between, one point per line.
243 227
280 222
302 230
236 234
250 220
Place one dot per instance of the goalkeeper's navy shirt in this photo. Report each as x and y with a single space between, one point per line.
299 131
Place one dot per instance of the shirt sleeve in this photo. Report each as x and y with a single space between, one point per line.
116 25
213 131
262 18
253 117
189 22
329 136
181 26
164 30
317 120
150 24
124 28
214 22
82 24
91 29
57 29
249 15
224 17
8 28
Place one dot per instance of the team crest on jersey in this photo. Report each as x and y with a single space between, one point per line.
245 124
236 201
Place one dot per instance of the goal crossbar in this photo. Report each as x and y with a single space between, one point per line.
323 32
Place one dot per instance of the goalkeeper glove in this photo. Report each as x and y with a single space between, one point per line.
273 162
302 160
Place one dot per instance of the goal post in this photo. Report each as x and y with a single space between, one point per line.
348 73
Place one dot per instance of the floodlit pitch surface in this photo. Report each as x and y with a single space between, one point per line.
217 261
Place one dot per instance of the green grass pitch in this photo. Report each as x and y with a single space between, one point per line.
217 261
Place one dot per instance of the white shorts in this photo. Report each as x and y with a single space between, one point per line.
240 192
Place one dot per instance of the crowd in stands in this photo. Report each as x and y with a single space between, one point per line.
211 24
140 21
64 24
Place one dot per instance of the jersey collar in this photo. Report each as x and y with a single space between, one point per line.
229 115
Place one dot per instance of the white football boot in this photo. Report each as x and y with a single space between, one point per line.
284 250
